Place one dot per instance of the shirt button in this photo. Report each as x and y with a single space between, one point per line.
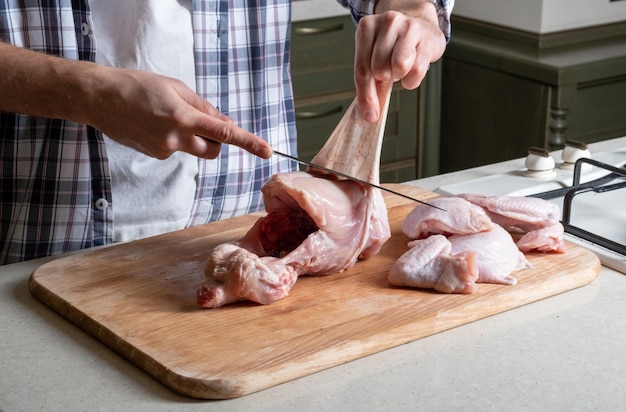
84 29
102 204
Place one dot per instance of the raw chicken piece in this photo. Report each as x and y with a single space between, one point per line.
455 264
546 239
354 146
313 226
525 213
428 264
497 255
528 214
459 217
236 273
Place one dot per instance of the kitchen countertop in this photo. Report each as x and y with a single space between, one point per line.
566 352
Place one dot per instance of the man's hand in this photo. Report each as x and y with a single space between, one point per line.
156 115
159 115
397 43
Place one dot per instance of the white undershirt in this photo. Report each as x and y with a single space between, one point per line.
150 196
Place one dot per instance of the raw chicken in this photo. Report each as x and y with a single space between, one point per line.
477 248
314 226
525 213
538 218
428 264
458 217
354 146
455 264
546 239
497 255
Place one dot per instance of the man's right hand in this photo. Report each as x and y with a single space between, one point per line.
159 115
154 114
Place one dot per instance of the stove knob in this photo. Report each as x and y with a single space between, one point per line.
539 162
573 151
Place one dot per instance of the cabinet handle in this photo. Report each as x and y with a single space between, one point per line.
315 115
305 31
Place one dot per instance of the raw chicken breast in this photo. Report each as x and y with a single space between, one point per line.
314 226
538 218
428 264
497 255
455 264
458 217
476 250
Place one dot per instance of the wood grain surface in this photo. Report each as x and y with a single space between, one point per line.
139 299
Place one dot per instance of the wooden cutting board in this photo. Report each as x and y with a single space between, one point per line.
139 298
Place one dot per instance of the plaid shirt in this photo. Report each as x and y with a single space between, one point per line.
55 184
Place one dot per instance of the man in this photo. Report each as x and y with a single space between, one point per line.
109 109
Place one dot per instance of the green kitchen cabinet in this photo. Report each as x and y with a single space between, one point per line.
503 90
322 53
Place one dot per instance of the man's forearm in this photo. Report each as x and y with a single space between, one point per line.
41 85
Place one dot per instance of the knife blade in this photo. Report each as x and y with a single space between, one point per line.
355 179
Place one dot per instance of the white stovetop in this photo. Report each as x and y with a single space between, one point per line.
434 182
563 353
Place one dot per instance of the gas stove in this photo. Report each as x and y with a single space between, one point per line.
589 188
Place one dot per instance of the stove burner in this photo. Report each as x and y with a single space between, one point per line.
600 185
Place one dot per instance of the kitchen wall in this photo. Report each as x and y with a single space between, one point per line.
316 9
543 16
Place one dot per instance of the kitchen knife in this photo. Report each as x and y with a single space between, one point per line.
346 176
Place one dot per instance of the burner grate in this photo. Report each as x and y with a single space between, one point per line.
601 185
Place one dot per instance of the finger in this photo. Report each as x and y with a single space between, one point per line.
201 147
384 47
228 133
416 75
212 125
405 52
206 107
365 84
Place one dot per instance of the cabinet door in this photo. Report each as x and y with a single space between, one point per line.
598 111
488 116
322 56
401 147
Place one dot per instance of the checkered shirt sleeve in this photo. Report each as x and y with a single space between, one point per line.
361 8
